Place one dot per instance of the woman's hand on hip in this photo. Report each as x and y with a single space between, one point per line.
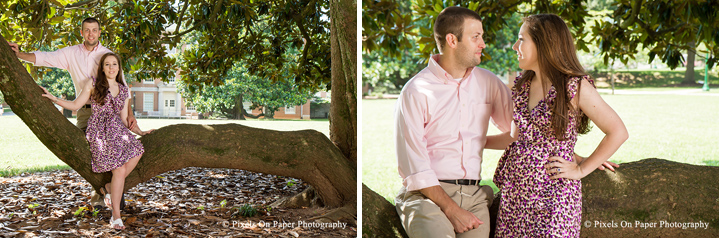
558 167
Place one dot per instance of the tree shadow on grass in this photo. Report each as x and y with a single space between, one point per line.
650 78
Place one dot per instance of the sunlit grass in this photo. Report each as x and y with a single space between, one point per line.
681 128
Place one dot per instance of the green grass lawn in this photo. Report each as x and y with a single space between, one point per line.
21 151
641 78
682 128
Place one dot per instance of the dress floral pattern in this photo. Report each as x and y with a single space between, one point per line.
111 143
532 204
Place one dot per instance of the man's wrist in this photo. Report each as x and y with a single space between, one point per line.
449 207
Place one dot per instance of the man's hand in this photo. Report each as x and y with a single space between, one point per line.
131 122
462 220
15 48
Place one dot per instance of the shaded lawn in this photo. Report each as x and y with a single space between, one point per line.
21 151
681 128
636 78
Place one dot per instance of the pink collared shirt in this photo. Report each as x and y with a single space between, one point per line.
77 60
441 124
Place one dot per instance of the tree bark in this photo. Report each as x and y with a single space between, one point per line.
645 191
379 217
244 113
239 108
343 109
307 155
689 73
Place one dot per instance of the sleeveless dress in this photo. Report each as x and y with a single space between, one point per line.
111 143
532 204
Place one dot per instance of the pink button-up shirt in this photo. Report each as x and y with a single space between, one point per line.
441 124
77 60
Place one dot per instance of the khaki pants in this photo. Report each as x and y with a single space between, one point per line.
422 218
83 115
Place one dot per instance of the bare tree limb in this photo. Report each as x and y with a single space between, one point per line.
78 5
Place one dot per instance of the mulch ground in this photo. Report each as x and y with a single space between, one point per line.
192 202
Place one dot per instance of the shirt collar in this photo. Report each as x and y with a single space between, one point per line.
82 45
442 74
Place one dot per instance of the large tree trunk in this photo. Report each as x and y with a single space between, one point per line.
651 191
379 217
343 110
239 108
307 155
689 73
642 192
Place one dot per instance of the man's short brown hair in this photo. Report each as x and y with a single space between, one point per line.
451 20
89 20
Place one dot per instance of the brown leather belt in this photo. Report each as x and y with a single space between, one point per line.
461 181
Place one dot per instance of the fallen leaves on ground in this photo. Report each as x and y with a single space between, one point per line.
191 202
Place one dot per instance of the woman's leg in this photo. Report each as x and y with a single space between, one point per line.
117 185
130 165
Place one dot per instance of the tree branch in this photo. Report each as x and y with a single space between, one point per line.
79 4
654 33
179 20
212 17
250 115
635 11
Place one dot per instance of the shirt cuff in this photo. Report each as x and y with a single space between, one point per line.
39 58
421 180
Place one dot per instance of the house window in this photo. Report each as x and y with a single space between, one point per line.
148 101
190 107
172 103
148 81
290 110
171 80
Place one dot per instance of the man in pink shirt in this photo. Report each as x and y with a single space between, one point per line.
81 61
442 117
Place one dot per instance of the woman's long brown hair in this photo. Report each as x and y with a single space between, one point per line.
101 84
558 62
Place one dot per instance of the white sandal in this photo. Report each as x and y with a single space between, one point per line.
108 201
115 222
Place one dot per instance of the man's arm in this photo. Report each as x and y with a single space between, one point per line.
462 220
131 121
29 57
414 164
502 108
502 105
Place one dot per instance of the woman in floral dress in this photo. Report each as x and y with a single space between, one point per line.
554 99
114 148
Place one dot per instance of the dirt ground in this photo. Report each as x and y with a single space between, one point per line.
192 202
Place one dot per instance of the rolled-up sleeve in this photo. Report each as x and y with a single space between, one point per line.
56 59
501 106
412 156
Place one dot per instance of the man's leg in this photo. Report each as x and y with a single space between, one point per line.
477 200
83 115
421 217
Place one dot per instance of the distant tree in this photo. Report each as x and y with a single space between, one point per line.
240 86
666 28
